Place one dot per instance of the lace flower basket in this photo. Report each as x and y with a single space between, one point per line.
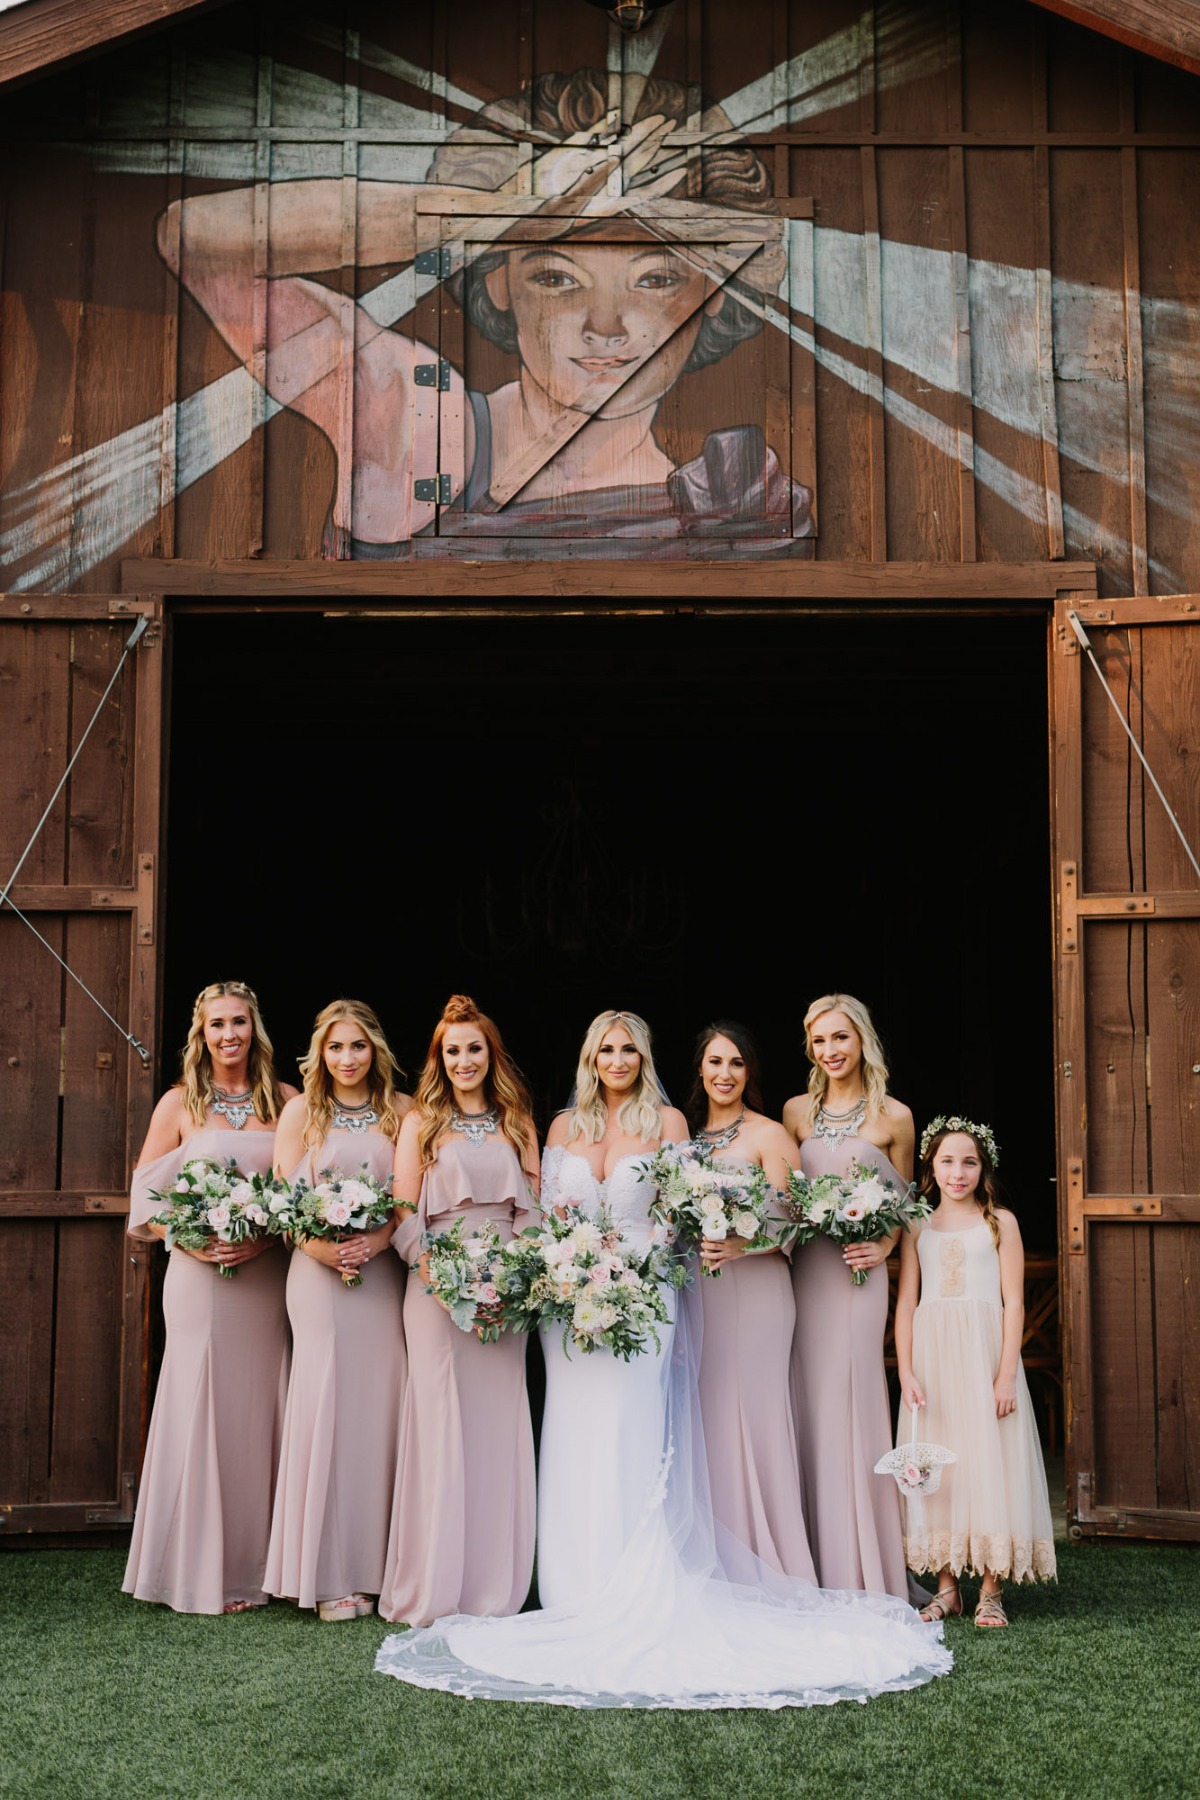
916 1467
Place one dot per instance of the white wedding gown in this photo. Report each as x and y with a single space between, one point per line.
645 1602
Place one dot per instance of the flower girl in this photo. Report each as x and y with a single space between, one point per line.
959 1318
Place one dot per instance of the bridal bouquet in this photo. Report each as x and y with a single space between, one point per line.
465 1271
698 1198
337 1205
211 1203
850 1209
581 1273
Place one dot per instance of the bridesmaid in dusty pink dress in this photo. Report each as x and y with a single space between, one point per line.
204 1509
337 1466
749 1320
843 1424
464 1509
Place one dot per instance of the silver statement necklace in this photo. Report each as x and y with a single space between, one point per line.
354 1118
835 1128
711 1139
237 1108
475 1126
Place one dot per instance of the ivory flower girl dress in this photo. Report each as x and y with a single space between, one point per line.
991 1510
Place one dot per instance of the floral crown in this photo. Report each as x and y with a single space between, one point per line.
983 1133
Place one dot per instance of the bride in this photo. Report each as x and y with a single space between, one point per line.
637 1607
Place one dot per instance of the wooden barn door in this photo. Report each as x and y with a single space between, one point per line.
74 1096
1128 1047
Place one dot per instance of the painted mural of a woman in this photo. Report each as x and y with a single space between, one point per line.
606 299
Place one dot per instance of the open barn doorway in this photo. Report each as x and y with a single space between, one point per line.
675 814
684 816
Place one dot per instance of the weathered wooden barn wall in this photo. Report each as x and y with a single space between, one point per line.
986 351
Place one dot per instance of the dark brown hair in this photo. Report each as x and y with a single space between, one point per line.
697 1100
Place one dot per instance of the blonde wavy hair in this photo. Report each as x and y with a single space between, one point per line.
504 1085
199 1088
875 1071
641 1114
383 1076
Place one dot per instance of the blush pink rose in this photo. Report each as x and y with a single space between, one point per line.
336 1211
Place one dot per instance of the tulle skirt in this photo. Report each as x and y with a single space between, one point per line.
991 1510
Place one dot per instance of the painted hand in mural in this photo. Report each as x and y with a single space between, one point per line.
579 262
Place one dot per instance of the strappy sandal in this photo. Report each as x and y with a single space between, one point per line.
946 1604
990 1613
333 1611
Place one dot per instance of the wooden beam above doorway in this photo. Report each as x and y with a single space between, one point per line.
738 587
1168 29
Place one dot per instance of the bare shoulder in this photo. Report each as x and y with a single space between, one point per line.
674 1125
795 1117
288 1091
560 1125
293 1108
171 1108
1010 1230
773 1138
896 1111
409 1126
403 1104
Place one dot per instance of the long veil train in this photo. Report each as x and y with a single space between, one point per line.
685 1618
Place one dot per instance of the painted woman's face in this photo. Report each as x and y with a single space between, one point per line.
590 318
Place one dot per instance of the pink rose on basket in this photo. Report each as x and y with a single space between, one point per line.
913 1476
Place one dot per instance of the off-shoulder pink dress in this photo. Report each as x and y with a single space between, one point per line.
337 1468
749 1434
843 1425
463 1515
204 1508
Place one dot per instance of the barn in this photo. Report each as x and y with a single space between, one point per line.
355 636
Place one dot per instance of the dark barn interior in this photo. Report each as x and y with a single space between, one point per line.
706 819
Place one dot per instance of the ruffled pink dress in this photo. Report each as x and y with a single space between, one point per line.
204 1508
749 1433
839 1388
463 1515
337 1467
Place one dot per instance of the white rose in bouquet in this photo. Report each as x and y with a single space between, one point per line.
870 1194
242 1193
745 1224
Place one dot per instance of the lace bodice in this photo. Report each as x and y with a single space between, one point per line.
568 1180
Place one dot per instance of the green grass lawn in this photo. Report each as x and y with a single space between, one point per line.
1093 1691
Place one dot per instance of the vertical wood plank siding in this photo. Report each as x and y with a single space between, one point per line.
1006 265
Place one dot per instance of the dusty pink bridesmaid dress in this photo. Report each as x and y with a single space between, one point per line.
839 1389
204 1509
337 1467
463 1514
745 1404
